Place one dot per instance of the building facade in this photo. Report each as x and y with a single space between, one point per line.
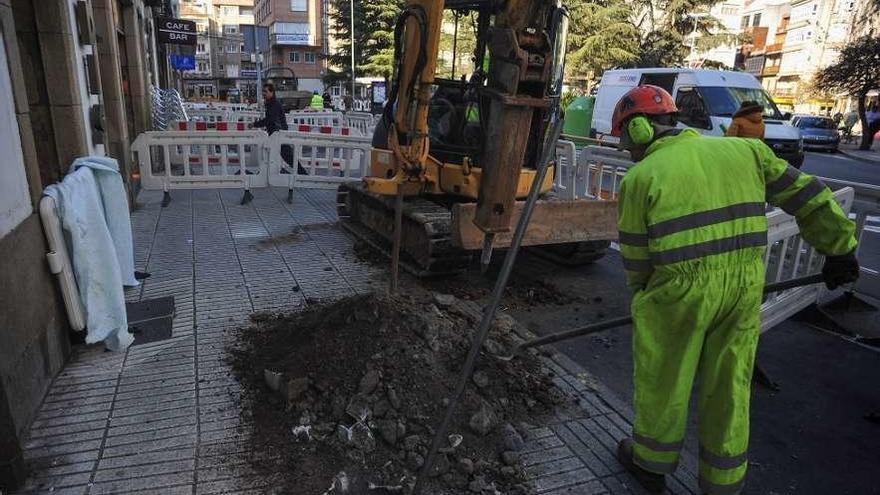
298 38
223 70
74 81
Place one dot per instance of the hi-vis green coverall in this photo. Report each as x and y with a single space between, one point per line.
317 102
693 232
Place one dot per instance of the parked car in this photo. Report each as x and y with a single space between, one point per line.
818 133
706 100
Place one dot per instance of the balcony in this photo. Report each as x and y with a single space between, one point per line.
770 71
774 48
292 39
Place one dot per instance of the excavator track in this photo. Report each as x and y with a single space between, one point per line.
426 243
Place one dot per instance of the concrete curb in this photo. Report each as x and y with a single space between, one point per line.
858 158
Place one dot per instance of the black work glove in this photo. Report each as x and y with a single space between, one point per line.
840 270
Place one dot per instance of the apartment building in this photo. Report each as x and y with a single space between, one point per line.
791 41
74 81
298 38
728 12
221 63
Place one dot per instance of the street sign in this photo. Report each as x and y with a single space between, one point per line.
256 38
175 31
183 62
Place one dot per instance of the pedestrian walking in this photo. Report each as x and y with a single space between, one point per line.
748 121
849 121
327 100
873 118
693 234
275 120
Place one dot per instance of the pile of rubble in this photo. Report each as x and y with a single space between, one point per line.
347 396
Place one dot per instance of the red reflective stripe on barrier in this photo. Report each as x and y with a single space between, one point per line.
181 126
194 159
241 126
326 129
222 126
234 160
213 160
201 126
345 131
305 128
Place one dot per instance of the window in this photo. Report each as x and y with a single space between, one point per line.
756 21
745 22
691 110
200 48
222 66
334 91
231 48
230 29
728 10
203 67
310 57
245 11
229 10
294 57
298 5
202 28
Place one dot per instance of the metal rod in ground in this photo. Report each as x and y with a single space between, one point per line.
395 248
486 254
494 300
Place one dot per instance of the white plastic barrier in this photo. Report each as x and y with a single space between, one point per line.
788 256
202 159
595 174
361 121
333 119
327 160
866 203
207 115
246 116
326 129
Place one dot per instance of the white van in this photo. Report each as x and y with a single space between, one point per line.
706 100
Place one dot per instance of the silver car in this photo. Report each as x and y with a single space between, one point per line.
818 133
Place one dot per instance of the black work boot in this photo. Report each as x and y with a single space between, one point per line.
652 482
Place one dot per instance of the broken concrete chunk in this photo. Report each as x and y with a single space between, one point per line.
483 420
510 457
444 300
465 465
493 347
393 398
295 389
511 439
504 324
481 379
388 430
368 382
359 408
414 461
273 379
412 441
381 408
441 465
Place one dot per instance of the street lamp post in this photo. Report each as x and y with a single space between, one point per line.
352 54
694 35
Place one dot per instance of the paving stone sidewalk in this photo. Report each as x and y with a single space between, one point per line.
166 417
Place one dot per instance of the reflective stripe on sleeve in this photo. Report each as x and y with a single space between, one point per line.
802 197
784 181
638 240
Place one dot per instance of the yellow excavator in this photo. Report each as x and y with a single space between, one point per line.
451 157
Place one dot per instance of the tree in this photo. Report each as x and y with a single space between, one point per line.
856 72
463 45
373 38
600 37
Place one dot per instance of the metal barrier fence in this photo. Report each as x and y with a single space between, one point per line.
202 159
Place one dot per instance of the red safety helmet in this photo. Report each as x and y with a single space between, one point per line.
641 100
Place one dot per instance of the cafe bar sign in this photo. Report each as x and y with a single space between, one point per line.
176 31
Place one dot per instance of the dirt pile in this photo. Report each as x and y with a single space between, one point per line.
349 393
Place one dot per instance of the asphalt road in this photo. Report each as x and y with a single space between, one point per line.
808 438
